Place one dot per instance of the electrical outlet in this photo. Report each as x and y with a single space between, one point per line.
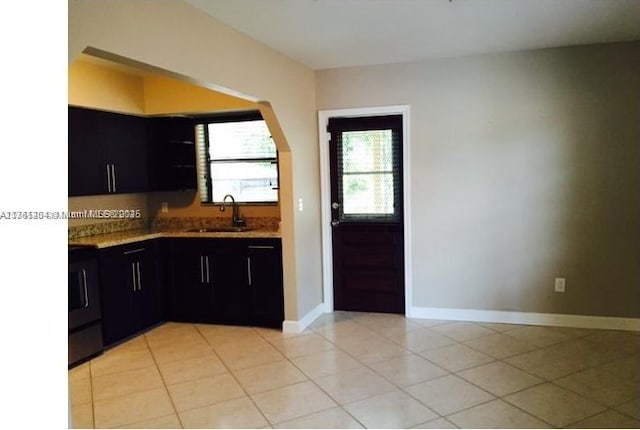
164 207
560 285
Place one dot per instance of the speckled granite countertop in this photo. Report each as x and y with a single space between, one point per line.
132 236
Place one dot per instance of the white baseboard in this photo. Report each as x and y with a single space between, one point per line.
527 318
298 326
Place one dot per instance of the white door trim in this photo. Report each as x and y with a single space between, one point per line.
325 195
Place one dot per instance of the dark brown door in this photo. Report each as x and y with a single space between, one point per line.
367 215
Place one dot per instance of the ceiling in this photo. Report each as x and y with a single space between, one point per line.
337 33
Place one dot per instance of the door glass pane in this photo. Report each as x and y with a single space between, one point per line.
367 151
367 173
368 194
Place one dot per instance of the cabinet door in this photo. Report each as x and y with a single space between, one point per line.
131 301
117 288
146 298
265 261
126 152
229 277
86 153
192 295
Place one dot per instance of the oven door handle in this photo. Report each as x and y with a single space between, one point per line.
86 289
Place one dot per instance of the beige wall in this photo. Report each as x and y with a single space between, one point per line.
524 166
170 35
95 86
165 95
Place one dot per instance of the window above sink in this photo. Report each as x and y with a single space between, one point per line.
236 155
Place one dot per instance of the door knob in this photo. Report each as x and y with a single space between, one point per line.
335 205
334 223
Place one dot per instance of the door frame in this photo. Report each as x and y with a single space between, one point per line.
325 196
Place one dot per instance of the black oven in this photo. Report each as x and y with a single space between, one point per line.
85 327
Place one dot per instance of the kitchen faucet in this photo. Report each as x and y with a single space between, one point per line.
236 219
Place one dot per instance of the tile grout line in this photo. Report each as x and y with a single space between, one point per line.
382 376
366 365
543 381
164 382
234 377
93 407
495 397
147 348
450 373
309 379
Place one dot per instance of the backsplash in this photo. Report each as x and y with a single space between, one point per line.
182 223
84 230
168 224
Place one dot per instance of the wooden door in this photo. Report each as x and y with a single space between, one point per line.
367 213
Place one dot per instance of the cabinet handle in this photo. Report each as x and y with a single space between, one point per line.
86 290
201 269
133 251
207 259
133 275
249 270
261 247
113 176
138 272
108 178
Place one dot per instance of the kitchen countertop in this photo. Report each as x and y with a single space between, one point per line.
132 236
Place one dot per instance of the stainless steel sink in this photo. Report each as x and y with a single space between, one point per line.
219 230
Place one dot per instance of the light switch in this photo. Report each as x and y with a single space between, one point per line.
300 205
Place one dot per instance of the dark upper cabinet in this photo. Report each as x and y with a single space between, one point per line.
131 292
107 153
172 154
127 153
87 153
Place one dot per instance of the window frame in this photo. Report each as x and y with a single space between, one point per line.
336 126
228 118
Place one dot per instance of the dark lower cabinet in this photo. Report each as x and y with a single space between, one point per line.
267 296
231 290
191 297
227 281
131 290
216 281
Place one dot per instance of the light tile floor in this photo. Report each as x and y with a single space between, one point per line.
355 370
